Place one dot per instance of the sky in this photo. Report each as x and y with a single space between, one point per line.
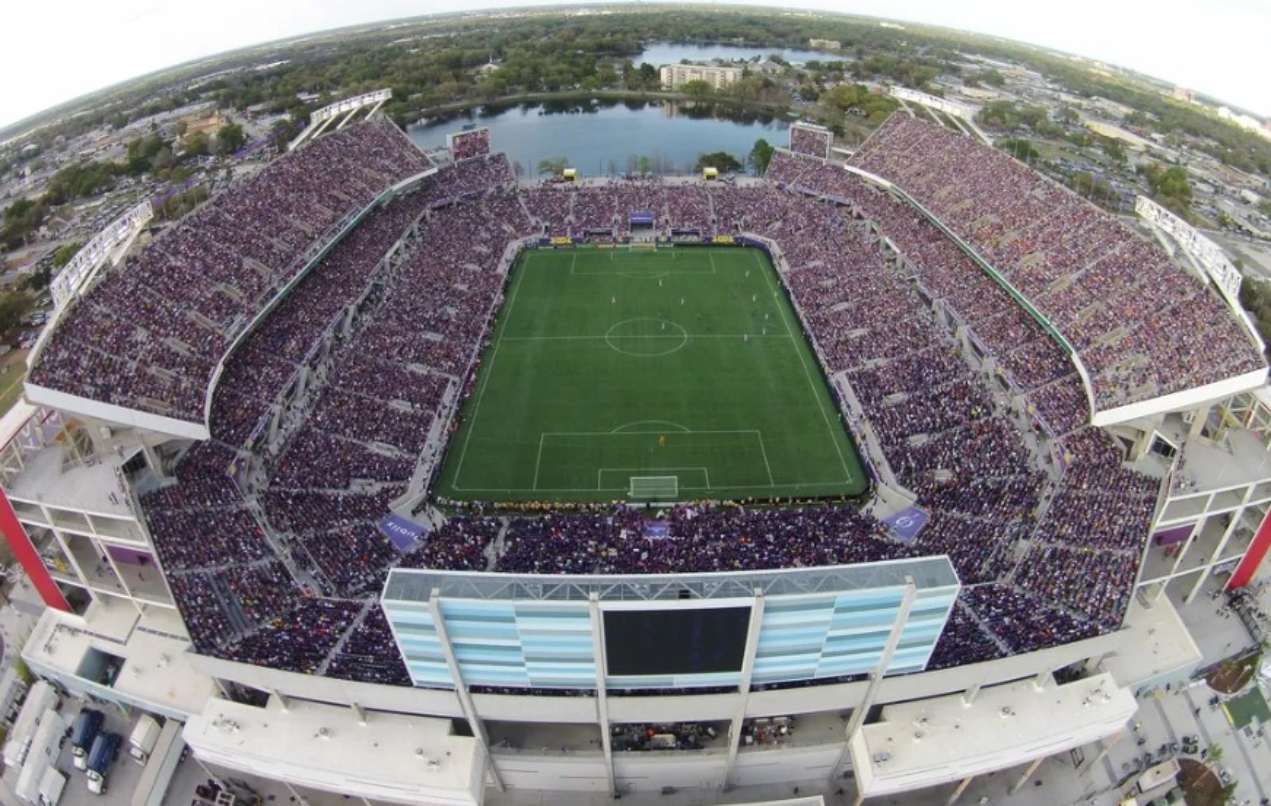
60 49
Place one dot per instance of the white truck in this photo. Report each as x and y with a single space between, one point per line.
42 755
144 734
12 689
51 786
40 698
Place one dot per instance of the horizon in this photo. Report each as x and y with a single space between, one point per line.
22 118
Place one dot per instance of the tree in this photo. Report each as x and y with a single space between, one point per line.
649 76
990 76
720 160
1092 187
1020 149
21 220
197 145
553 166
697 89
65 252
230 138
13 306
1169 185
760 156
1113 149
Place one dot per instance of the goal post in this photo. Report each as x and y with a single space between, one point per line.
665 488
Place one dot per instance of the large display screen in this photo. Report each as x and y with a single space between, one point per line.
677 641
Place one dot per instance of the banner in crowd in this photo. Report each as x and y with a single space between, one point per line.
404 533
906 524
657 530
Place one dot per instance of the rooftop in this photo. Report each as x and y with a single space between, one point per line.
387 757
417 585
155 673
930 742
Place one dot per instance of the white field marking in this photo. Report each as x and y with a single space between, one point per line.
616 489
776 293
757 434
653 336
764 451
619 430
655 431
505 316
601 471
539 461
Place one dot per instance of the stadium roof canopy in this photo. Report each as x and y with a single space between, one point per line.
414 585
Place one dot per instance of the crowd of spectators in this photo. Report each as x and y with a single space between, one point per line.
465 145
388 345
1143 327
805 140
148 335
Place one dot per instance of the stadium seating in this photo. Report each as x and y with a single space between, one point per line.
149 335
279 566
1143 326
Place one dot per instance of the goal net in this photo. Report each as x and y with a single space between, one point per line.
655 487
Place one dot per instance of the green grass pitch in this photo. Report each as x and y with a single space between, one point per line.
683 364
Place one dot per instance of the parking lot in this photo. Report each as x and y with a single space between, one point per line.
122 777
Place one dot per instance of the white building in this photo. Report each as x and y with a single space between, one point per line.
675 76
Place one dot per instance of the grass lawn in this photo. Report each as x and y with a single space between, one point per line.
682 368
1244 709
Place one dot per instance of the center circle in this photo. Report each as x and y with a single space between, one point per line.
646 337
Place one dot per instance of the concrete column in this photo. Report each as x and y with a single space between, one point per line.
747 671
1197 527
1028 773
1198 422
347 118
152 460
968 696
208 771
602 701
1042 678
282 700
876 677
1104 748
318 132
71 559
958 790
295 794
1222 544
361 713
461 688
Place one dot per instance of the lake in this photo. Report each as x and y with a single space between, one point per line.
607 137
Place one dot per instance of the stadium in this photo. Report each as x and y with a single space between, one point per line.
532 474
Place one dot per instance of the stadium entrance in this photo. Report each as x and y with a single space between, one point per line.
643 225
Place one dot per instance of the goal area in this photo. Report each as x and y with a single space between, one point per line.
665 488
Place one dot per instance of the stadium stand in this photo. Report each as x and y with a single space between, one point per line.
1143 326
269 532
149 336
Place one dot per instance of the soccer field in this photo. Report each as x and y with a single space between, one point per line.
674 374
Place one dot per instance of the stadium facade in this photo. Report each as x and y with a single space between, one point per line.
230 519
